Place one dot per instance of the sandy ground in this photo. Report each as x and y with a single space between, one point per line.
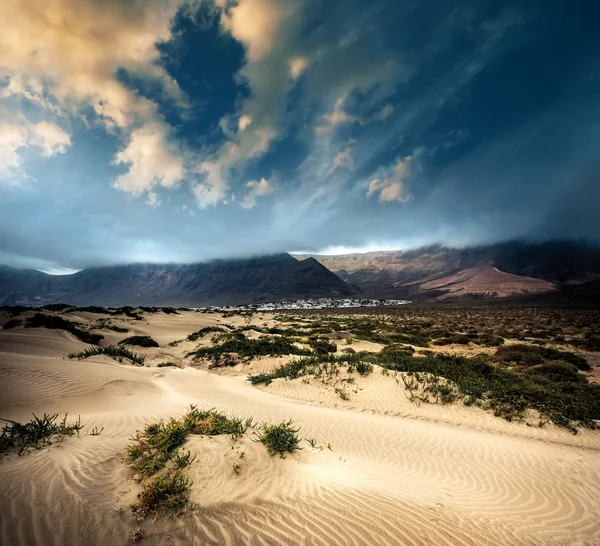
384 471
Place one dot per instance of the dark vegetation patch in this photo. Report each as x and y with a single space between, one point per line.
118 352
42 320
98 310
167 365
129 312
12 323
57 307
194 336
322 347
139 341
242 346
459 339
14 310
36 434
530 355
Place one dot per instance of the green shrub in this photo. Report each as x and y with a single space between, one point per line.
239 344
194 336
167 365
154 455
35 434
118 352
530 355
364 368
140 341
510 393
321 347
282 438
165 491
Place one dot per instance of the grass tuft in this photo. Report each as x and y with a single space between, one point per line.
194 336
36 434
282 438
118 352
155 455
140 341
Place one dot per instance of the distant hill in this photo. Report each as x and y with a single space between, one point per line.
219 282
511 269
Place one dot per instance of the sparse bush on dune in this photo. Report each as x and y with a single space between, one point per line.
244 347
42 320
279 439
322 347
169 490
529 355
140 341
36 434
12 323
155 455
194 336
555 389
118 352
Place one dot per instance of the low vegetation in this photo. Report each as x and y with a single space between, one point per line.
242 346
139 341
530 355
12 323
118 352
194 336
154 454
36 434
42 320
279 439
547 381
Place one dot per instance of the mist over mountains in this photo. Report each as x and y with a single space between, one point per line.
430 274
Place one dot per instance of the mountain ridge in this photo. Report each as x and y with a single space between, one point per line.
218 282
411 273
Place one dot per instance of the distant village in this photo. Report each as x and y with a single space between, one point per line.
320 303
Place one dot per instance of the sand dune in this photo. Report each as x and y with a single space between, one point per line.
395 474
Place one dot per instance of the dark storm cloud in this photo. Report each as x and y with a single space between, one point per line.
271 125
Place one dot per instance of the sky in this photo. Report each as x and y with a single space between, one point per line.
169 131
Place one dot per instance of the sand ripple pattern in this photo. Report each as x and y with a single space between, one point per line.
387 479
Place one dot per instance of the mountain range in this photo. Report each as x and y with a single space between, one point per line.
432 273
513 269
219 282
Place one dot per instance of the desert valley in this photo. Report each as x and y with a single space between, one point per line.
299 272
348 426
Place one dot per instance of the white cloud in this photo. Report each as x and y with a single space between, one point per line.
344 158
393 187
151 162
297 66
268 31
51 139
257 188
63 58
329 122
